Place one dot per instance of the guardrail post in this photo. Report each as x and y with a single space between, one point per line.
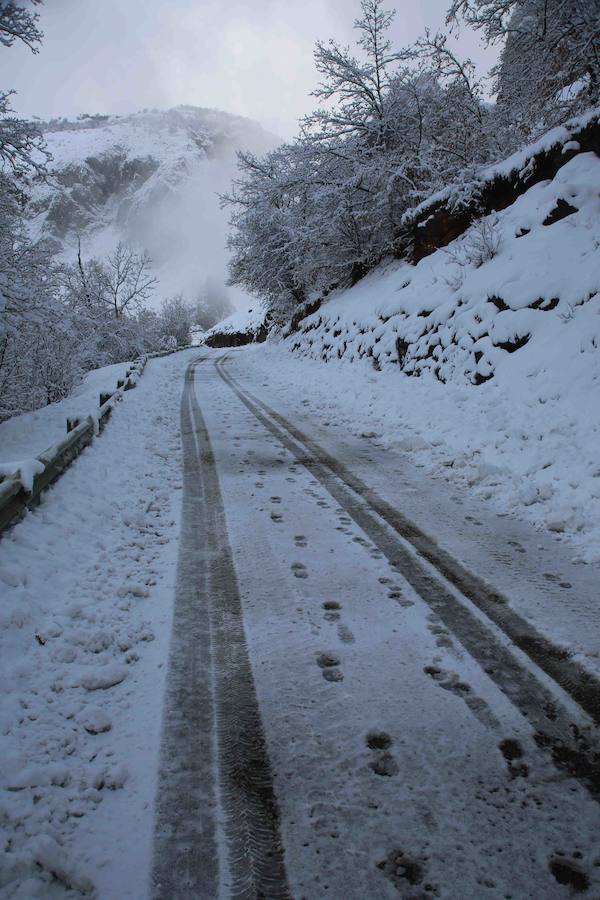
72 423
104 397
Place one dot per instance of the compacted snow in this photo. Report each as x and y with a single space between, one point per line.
400 768
404 735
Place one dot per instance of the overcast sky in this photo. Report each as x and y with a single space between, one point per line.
250 57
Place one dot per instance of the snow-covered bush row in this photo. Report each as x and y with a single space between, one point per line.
528 276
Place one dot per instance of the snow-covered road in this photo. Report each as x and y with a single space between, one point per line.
421 733
375 686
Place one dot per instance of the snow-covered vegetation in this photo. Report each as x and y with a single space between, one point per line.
110 235
395 126
419 228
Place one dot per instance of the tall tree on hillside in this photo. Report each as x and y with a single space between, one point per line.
549 64
392 126
352 91
128 280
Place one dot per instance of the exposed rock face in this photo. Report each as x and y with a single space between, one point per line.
436 224
149 179
238 338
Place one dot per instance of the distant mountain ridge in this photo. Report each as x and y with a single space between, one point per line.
149 178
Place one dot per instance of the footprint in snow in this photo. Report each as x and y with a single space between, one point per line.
450 681
400 868
331 608
329 663
344 634
512 752
383 762
517 546
569 872
396 594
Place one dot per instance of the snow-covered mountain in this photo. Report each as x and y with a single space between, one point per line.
150 179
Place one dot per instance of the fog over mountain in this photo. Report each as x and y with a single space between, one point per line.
150 179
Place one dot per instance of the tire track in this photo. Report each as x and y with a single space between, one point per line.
434 574
212 720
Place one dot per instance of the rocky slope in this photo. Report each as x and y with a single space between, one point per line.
150 179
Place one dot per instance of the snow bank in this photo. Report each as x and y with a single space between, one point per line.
444 215
23 469
86 581
521 276
242 327
27 435
513 306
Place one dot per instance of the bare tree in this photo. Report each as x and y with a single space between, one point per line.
129 281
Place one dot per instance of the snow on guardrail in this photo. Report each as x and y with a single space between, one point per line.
22 482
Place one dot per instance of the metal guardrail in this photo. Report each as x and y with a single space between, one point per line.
15 500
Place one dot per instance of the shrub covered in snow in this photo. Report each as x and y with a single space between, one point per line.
507 282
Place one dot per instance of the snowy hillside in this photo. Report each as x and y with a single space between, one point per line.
507 283
503 328
150 179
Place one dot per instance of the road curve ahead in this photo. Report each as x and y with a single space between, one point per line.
359 706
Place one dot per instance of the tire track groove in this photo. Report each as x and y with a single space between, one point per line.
247 798
574 747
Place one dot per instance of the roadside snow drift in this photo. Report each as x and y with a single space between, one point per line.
87 585
27 435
